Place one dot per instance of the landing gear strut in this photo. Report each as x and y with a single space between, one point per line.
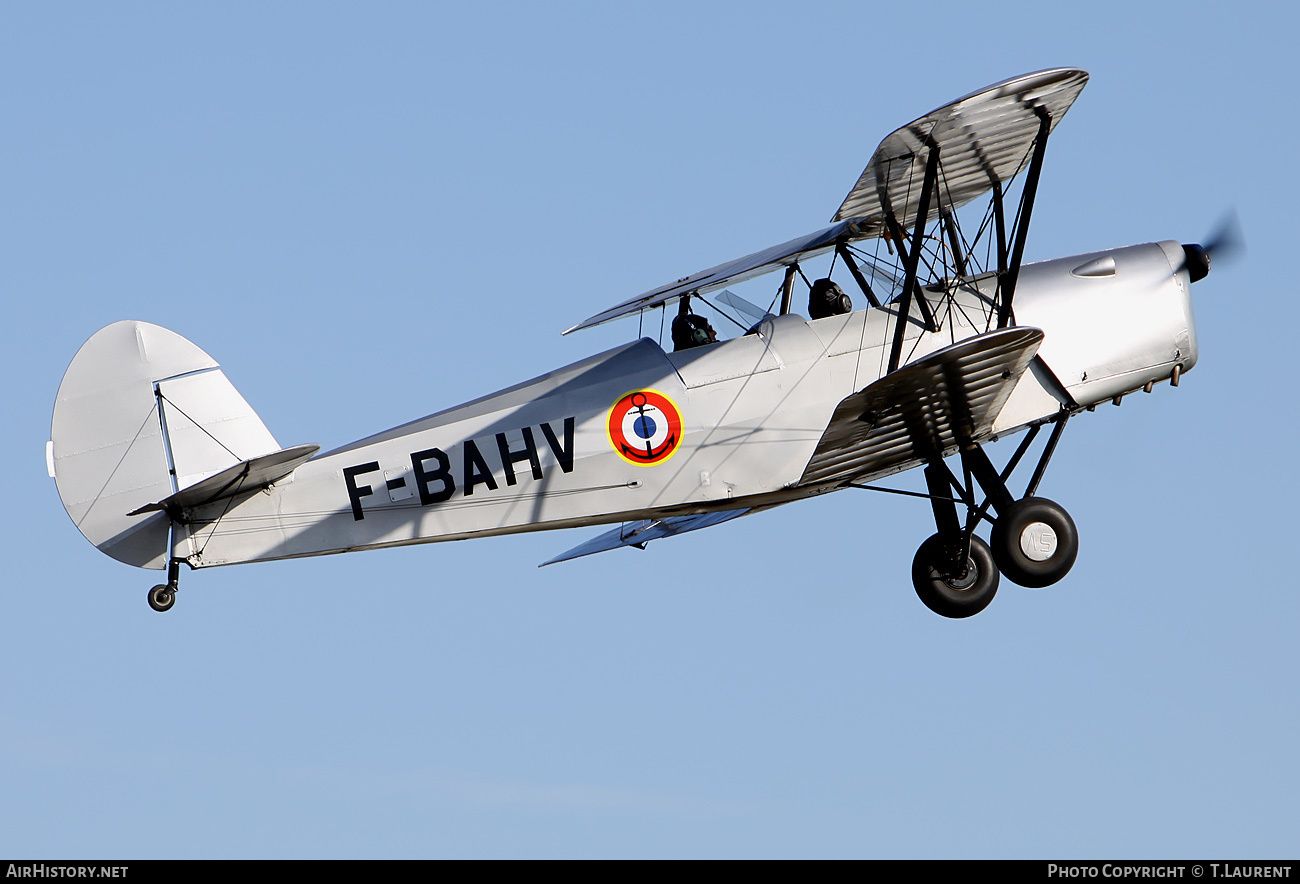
163 596
1034 541
954 573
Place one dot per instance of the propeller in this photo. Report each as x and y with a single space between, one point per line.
1227 241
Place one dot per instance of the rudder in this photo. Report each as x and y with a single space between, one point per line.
142 413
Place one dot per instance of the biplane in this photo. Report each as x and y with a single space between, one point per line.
953 342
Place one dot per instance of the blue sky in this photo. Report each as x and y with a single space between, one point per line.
370 213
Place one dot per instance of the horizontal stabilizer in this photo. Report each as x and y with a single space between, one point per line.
251 475
641 532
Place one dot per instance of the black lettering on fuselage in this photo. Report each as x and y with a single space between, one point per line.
477 472
563 456
424 476
510 458
355 491
432 466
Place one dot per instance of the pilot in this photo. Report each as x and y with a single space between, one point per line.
690 330
827 299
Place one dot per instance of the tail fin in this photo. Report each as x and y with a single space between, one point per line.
141 414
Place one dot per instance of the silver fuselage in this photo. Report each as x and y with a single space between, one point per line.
544 454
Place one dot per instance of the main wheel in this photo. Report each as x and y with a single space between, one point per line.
1035 542
162 597
954 595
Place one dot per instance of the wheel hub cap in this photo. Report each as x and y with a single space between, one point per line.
965 581
1038 541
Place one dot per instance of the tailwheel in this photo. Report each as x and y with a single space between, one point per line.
162 597
950 591
1034 542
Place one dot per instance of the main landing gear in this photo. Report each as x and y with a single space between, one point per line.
1033 542
163 596
953 584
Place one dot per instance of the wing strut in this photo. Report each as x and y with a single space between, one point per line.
1000 217
842 249
912 258
1022 228
958 258
787 288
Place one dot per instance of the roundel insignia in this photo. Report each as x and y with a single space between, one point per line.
645 427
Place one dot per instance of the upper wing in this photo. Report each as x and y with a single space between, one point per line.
926 408
738 270
982 138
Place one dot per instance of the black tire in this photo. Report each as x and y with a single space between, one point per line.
162 597
1035 542
954 595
